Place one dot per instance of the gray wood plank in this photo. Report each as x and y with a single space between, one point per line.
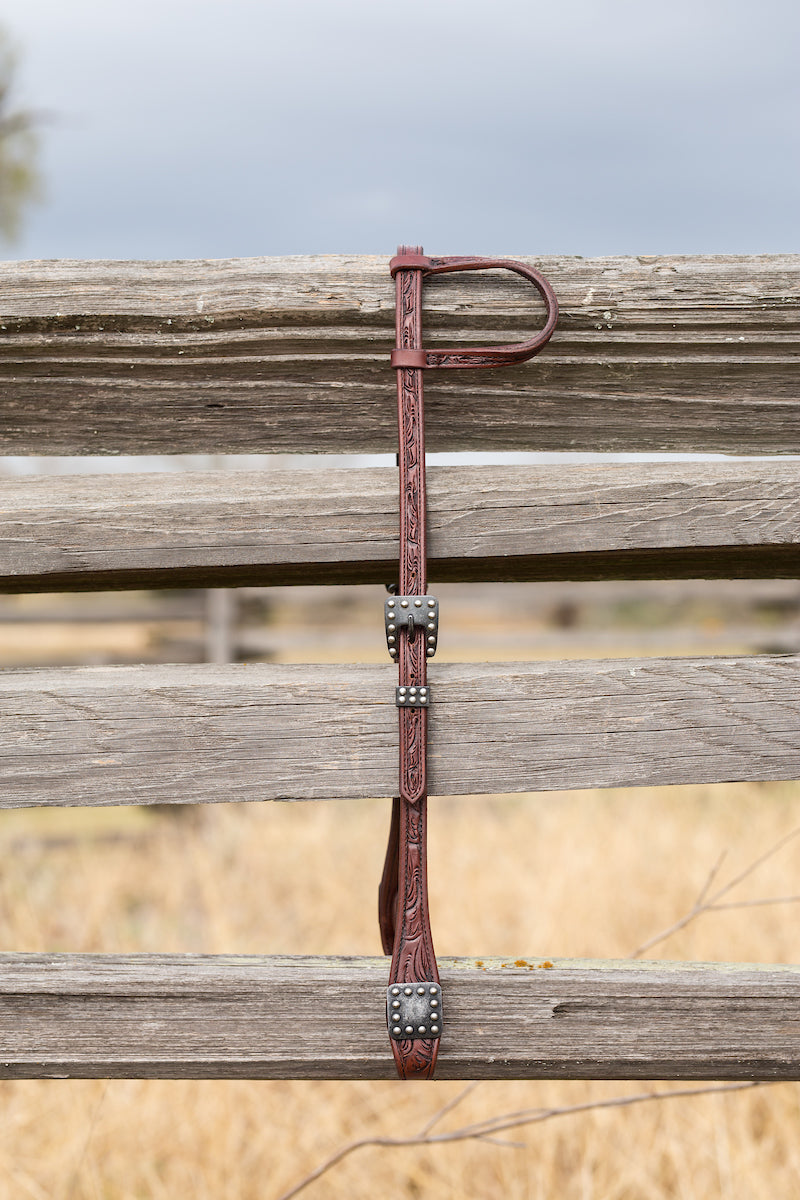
181 734
504 523
226 1017
290 354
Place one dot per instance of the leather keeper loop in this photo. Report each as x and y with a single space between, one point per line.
414 359
409 262
483 356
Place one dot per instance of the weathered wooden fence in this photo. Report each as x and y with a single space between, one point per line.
291 355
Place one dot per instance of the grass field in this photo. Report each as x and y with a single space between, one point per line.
575 874
583 874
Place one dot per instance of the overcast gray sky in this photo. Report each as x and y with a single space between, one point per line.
209 128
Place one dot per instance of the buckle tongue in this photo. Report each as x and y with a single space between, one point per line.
418 615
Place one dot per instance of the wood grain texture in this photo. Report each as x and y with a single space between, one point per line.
231 1017
502 523
181 734
291 354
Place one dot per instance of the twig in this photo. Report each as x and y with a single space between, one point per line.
712 875
494 1141
754 903
484 1130
710 903
534 1116
758 862
447 1108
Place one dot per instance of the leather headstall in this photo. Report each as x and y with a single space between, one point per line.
414 1004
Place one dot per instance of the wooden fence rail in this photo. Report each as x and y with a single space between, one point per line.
237 356
718 519
228 1017
197 733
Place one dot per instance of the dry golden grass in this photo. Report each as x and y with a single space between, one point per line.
575 874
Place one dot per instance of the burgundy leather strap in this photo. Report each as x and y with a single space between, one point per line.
481 356
413 958
403 894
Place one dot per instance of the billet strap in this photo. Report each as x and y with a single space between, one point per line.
414 1005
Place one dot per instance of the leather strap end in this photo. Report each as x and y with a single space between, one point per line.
409 262
414 359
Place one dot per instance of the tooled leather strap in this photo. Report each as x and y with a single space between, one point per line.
413 959
414 998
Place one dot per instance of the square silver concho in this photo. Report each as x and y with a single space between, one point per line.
414 1010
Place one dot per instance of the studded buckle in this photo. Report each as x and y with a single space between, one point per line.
415 614
414 1011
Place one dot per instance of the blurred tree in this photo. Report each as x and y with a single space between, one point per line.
19 176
